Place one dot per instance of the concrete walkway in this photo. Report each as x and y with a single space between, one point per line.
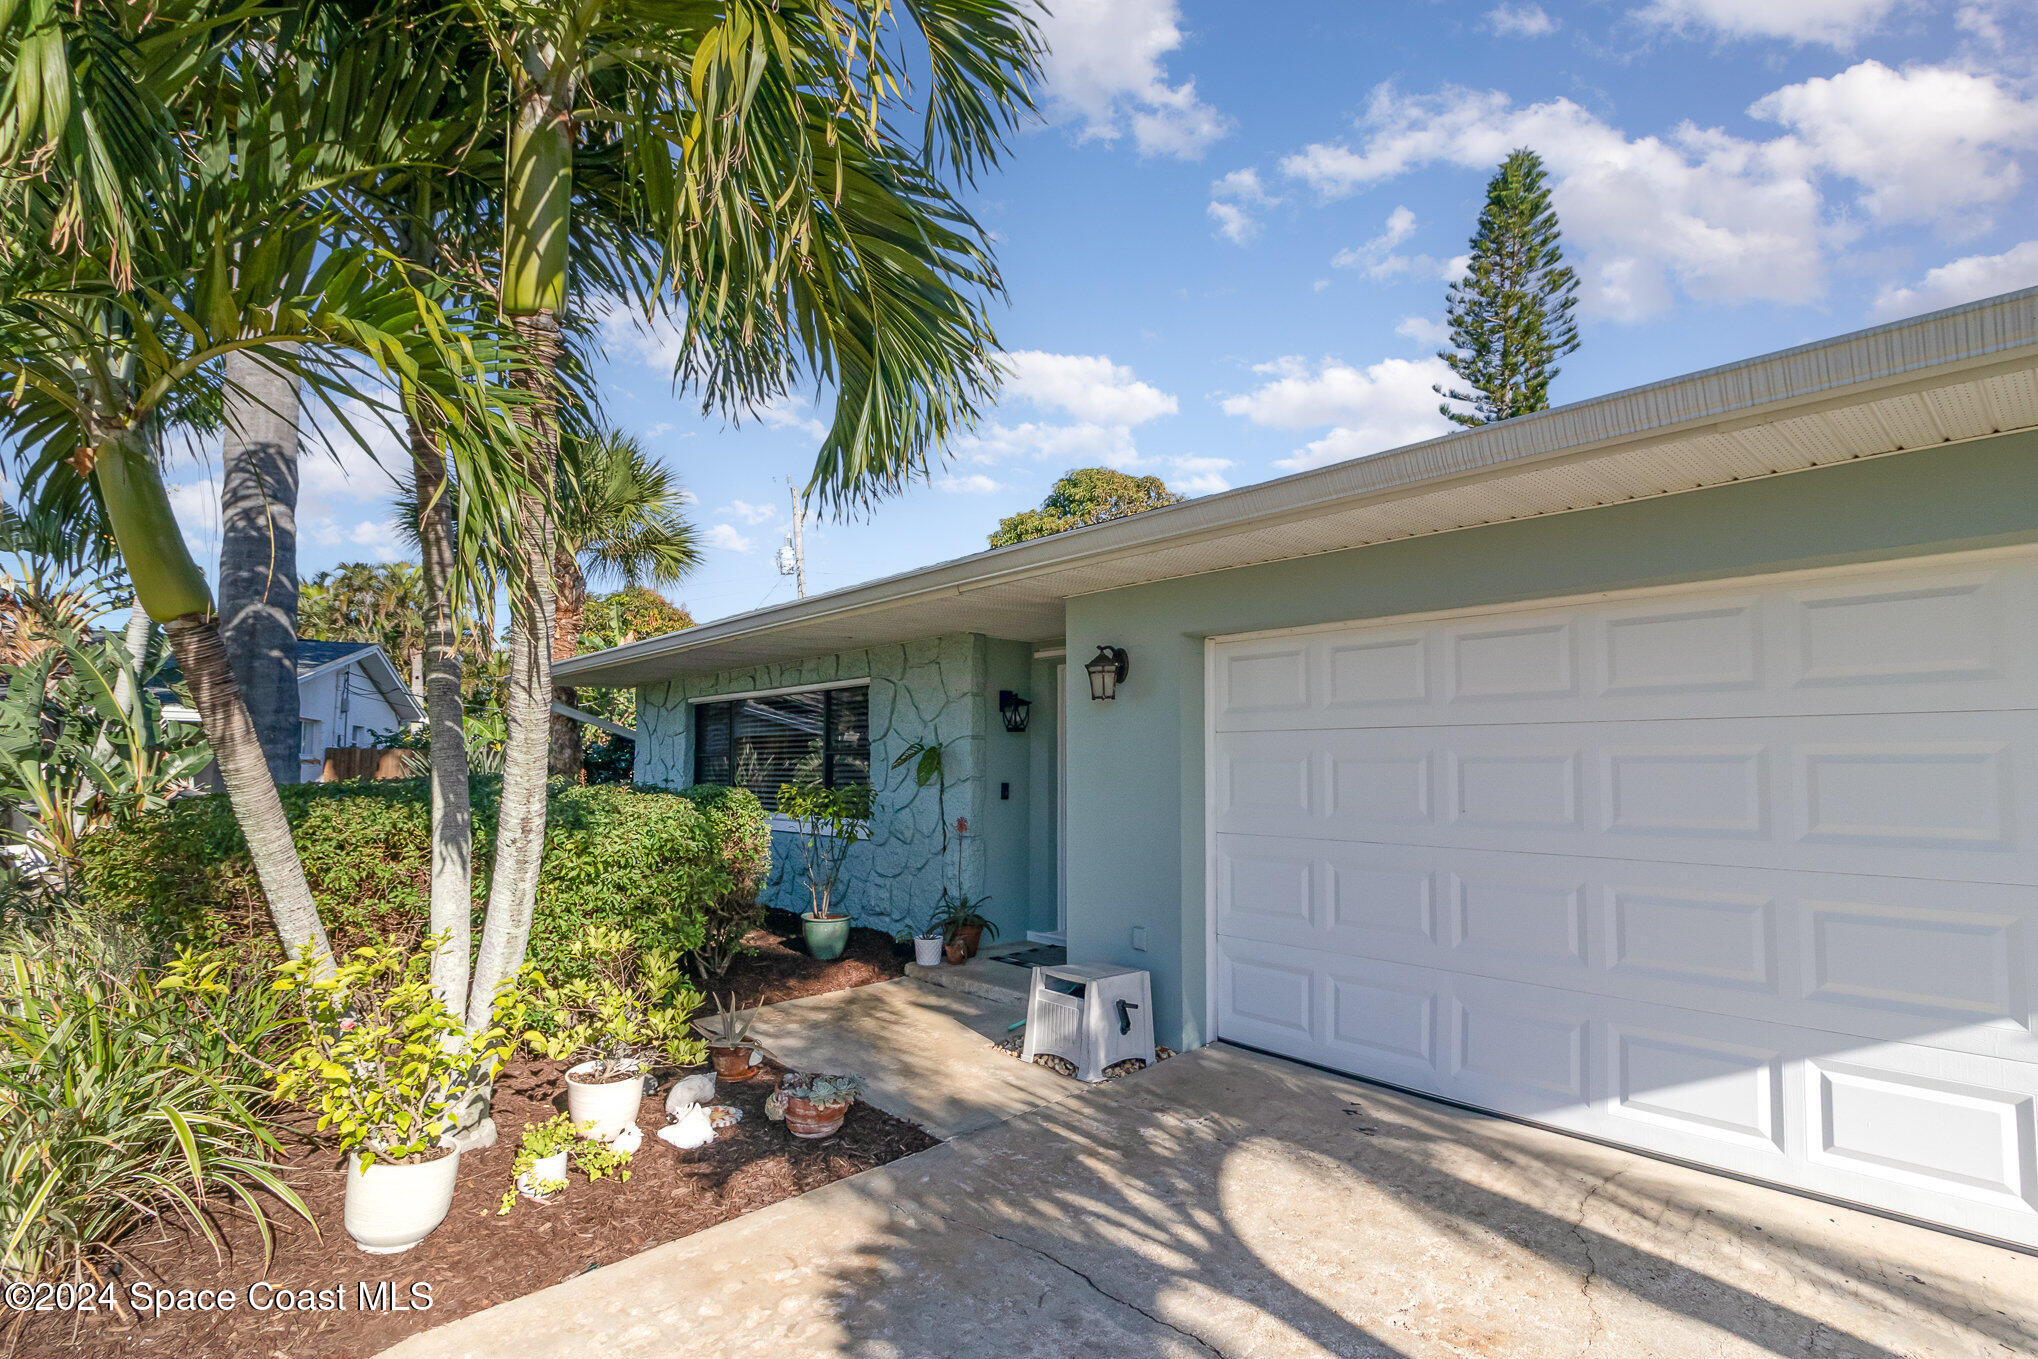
924 1051
1236 1205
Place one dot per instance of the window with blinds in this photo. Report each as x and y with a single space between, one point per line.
765 743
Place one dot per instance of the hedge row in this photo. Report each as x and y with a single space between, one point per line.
657 862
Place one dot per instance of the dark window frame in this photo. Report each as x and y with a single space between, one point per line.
721 716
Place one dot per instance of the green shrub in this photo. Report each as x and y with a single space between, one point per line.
127 1090
659 863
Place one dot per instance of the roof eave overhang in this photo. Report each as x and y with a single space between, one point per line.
1968 372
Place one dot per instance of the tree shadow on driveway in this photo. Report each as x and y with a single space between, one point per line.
1232 1204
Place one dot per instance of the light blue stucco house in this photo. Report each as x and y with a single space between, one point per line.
1663 767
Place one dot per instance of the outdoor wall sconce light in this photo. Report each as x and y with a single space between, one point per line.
1014 710
1107 671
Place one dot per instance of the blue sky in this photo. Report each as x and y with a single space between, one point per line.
1227 242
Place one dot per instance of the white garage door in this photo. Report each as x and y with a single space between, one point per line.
1742 874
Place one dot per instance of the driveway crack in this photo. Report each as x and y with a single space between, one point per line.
1094 1286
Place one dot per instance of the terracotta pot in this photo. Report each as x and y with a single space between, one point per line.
970 936
733 1064
806 1119
954 951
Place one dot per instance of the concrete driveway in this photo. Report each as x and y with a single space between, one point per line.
1230 1204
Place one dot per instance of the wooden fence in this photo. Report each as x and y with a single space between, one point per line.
344 762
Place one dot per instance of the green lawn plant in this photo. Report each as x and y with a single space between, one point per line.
380 1058
633 1005
129 1092
958 913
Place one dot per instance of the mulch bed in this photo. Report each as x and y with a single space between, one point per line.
476 1258
778 968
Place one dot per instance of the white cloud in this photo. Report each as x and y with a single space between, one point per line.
749 513
790 412
1087 386
972 483
1520 21
1081 442
1232 200
1369 410
1719 217
1377 256
1964 280
654 344
1194 474
1836 23
379 538
1925 143
727 539
1425 332
1105 70
1234 223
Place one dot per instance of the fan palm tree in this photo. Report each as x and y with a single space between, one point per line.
621 522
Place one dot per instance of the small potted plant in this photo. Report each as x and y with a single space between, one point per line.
633 1006
728 1039
831 821
815 1103
540 1166
960 920
388 1068
927 946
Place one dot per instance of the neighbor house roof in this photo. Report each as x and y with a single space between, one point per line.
314 658
1964 373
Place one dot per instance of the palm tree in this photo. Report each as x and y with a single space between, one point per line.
258 551
620 523
799 236
137 254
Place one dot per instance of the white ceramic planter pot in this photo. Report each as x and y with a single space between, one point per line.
548 1170
927 952
611 1106
392 1207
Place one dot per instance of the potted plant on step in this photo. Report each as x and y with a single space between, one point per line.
728 1039
813 1103
831 821
388 1068
961 921
927 945
632 1006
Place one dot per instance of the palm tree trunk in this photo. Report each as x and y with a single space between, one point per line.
258 552
566 743
536 218
527 711
452 892
171 588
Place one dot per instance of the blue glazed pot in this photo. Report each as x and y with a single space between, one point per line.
826 938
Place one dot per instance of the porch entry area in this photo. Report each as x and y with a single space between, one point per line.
1741 873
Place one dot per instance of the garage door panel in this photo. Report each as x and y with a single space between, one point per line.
1915 794
1893 959
1745 874
1932 639
1940 1136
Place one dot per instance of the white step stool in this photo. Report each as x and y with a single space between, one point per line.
1093 1017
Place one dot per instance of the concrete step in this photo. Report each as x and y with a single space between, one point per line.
981 976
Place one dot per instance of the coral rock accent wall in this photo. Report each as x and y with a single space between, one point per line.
931 690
